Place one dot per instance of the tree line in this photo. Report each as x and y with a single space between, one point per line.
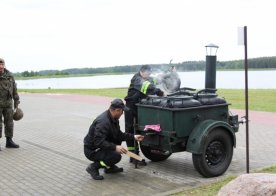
254 63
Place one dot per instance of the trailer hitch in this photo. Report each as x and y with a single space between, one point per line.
243 120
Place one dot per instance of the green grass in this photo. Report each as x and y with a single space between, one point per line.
213 188
271 169
259 100
207 190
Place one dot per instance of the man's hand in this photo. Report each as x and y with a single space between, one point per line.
15 104
139 137
160 93
121 149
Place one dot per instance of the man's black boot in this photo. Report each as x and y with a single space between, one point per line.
113 169
93 170
131 160
10 143
139 163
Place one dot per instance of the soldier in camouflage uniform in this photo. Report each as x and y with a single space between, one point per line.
9 101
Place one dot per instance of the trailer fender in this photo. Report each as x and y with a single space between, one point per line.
200 133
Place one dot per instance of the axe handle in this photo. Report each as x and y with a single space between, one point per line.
133 155
136 148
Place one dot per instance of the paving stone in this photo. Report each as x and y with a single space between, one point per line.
50 160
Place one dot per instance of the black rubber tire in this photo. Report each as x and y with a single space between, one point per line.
217 154
146 150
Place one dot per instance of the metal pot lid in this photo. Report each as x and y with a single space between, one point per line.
211 95
180 97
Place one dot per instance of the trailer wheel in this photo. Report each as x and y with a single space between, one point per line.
217 154
149 153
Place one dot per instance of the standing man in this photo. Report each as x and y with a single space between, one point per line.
141 85
8 99
102 144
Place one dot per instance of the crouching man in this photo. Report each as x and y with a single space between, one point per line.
102 144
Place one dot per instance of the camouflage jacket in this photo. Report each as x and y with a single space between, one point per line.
8 90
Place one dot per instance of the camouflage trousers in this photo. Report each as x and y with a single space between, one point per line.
7 115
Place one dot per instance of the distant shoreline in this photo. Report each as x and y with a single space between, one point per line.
123 73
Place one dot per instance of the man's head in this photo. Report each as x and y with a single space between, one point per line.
2 65
145 71
117 107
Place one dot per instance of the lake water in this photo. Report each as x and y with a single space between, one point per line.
225 79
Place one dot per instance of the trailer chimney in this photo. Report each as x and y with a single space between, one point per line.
210 71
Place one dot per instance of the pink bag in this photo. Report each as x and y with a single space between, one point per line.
156 128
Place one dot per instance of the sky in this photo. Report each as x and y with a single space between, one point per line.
62 34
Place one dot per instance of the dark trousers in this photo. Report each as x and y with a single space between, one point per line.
129 125
106 158
7 113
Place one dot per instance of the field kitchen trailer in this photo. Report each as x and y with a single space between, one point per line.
198 122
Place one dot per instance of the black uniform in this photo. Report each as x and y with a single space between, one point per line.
139 88
103 136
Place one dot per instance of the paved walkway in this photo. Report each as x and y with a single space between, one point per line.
50 159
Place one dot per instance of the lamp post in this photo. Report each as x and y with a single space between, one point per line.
210 71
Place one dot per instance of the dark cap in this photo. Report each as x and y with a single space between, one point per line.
118 103
2 61
145 68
